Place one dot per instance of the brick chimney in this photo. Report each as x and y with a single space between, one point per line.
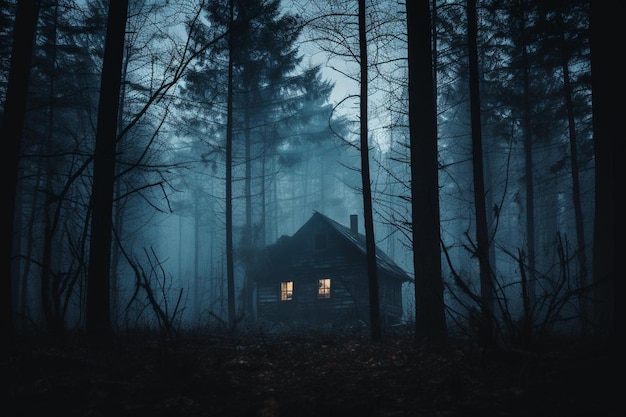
354 224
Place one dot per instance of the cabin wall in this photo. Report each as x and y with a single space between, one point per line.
347 302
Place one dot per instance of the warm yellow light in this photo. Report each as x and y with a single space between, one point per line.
323 288
286 290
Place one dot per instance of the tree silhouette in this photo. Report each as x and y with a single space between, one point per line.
12 127
429 307
98 320
482 233
607 319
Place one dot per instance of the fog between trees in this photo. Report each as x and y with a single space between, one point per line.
231 133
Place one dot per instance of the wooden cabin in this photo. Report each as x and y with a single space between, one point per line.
318 278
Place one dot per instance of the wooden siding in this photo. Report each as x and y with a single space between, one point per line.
348 301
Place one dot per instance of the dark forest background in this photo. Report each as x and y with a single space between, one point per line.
152 148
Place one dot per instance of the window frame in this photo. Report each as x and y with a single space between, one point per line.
324 286
286 290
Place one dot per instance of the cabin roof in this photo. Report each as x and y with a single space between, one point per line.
356 240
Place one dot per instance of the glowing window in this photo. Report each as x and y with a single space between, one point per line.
323 288
286 290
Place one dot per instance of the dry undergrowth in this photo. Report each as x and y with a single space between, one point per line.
288 376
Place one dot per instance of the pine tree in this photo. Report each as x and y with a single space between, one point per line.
269 93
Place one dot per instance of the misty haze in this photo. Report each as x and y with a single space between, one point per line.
294 208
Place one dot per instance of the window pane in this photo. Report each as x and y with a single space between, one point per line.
323 288
286 290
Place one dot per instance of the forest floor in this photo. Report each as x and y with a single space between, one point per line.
296 376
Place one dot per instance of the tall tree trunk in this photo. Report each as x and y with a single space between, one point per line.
247 241
98 320
196 255
118 215
51 289
578 213
528 167
482 233
26 16
28 248
430 319
370 243
263 232
608 322
230 269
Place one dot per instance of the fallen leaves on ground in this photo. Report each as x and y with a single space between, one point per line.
302 377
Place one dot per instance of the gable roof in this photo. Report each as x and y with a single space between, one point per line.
357 240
